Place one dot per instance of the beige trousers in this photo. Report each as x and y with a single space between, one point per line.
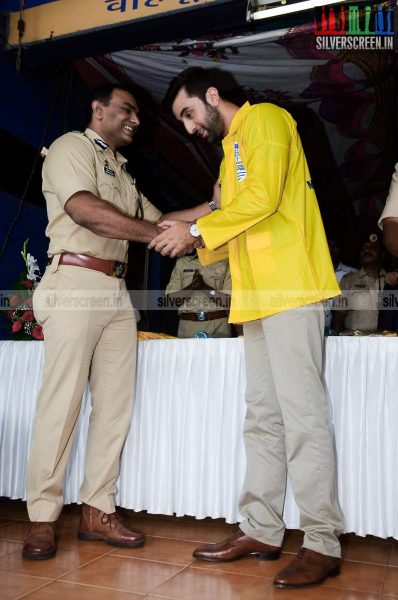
287 431
89 334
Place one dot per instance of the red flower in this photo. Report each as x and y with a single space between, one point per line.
27 283
14 300
16 326
37 332
27 316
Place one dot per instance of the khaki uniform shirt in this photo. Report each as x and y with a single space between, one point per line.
360 295
216 275
78 162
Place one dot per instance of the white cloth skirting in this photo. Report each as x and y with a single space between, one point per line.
184 452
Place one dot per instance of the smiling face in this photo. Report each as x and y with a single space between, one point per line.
200 118
117 121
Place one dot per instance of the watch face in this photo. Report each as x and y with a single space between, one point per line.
193 230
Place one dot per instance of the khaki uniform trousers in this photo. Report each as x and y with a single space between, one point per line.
95 339
287 431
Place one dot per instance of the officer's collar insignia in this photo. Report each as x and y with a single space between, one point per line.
101 143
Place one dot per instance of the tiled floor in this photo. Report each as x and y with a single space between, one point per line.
164 567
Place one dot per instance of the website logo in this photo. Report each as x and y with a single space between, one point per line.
353 27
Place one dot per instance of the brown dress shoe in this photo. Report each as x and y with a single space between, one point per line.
97 525
235 546
40 541
307 569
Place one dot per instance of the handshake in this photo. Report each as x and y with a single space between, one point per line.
174 239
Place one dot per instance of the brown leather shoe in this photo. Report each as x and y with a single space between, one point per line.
236 545
307 569
97 525
40 541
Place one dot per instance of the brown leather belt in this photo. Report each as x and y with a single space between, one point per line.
113 268
202 315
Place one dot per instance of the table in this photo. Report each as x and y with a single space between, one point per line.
184 452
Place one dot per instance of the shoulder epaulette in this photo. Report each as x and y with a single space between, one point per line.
101 143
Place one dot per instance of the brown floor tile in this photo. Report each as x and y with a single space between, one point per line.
359 576
126 574
176 552
320 593
70 515
196 584
394 555
13 509
67 540
15 531
391 583
7 547
73 591
164 567
249 565
14 585
63 562
183 530
365 539
369 552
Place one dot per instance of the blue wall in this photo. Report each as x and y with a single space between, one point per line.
31 103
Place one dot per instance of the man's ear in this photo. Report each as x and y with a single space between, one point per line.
212 96
97 109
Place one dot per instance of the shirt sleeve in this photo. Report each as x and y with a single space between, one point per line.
345 282
175 283
227 285
69 168
391 207
267 140
151 213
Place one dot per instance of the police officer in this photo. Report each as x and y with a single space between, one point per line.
199 293
88 321
358 307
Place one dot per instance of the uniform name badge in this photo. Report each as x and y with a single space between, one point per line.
109 171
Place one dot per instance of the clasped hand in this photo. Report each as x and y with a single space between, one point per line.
175 239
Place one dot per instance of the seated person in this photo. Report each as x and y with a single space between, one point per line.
358 307
388 307
199 294
340 270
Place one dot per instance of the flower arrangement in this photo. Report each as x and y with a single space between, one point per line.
19 314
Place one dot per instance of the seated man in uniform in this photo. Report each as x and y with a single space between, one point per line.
340 269
358 308
200 293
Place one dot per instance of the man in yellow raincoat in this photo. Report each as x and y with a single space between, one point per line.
270 228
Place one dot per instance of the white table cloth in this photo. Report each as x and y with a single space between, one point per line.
184 452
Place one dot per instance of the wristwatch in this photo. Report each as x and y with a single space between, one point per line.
193 230
212 205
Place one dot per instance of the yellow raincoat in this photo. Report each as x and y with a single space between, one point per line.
269 225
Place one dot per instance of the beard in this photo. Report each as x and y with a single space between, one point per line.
213 124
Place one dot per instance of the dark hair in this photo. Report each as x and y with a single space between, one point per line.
104 92
196 82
